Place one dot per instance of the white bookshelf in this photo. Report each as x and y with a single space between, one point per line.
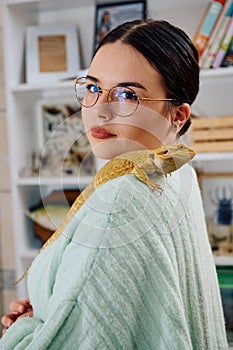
21 97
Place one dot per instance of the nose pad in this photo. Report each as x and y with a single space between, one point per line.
102 97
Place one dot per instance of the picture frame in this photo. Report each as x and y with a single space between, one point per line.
217 195
52 53
62 143
111 14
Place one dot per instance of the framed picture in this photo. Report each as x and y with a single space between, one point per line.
62 142
217 194
52 53
110 15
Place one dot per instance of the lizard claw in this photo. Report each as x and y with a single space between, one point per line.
156 187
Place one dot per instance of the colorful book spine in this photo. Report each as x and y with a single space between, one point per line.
228 59
202 36
217 36
224 46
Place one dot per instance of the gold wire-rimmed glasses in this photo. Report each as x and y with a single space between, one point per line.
122 100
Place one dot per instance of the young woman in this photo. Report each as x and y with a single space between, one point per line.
132 269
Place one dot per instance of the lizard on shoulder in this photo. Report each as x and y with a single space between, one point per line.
142 164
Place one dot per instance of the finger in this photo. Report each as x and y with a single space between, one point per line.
19 305
8 320
26 314
4 330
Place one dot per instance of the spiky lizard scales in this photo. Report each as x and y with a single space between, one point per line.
142 164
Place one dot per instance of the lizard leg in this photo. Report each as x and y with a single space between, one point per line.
142 176
151 166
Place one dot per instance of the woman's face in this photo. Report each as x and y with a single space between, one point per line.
148 127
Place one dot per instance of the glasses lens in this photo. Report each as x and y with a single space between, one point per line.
87 92
123 101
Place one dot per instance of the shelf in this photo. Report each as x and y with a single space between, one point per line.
48 4
24 87
21 2
223 260
60 85
80 181
217 72
210 157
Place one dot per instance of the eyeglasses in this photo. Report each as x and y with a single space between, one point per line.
122 100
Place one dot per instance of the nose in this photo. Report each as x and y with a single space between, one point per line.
104 111
103 96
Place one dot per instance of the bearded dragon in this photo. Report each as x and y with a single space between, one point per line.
142 164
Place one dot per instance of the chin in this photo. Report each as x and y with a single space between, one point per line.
111 148
105 152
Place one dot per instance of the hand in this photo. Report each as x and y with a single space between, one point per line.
19 309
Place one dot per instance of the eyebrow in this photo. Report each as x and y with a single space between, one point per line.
124 83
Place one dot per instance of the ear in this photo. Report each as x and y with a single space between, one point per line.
181 114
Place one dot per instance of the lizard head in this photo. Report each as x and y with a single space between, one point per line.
171 157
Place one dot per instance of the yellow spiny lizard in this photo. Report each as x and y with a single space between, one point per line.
142 164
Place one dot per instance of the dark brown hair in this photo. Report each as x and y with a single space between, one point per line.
169 50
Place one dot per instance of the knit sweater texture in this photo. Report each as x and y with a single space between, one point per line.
133 269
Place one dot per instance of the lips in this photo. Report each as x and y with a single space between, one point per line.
101 133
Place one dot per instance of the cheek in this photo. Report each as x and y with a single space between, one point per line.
130 132
147 122
87 118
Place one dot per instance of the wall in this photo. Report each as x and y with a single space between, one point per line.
7 261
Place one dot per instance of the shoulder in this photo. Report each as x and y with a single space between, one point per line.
124 209
129 189
114 213
128 194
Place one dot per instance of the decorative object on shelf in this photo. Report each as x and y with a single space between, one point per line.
50 212
212 134
217 194
110 14
62 140
40 160
52 53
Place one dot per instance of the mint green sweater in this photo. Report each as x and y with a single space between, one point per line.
132 270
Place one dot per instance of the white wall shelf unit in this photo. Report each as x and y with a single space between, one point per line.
80 182
21 98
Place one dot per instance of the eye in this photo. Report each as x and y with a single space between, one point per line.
126 94
92 88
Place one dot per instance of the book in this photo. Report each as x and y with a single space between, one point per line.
224 46
201 21
207 24
228 59
217 36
